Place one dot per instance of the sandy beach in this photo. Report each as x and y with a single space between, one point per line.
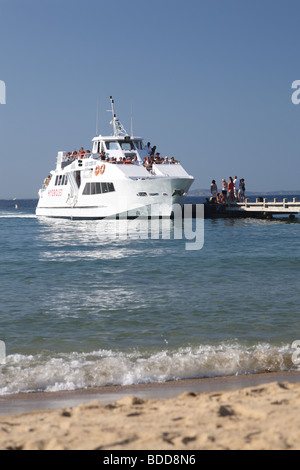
250 412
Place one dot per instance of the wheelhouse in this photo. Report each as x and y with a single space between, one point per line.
117 147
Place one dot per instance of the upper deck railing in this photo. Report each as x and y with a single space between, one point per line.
65 159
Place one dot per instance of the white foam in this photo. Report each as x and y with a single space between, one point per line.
99 368
14 215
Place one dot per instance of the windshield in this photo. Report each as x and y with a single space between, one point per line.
127 145
112 145
139 144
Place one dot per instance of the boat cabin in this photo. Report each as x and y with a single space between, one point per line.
116 147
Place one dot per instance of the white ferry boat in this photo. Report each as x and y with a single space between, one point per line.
119 177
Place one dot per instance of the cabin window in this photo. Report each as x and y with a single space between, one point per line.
104 188
139 145
98 188
99 147
127 146
87 190
61 180
113 145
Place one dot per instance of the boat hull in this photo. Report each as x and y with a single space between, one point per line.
158 197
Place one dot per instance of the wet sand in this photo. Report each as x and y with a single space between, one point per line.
244 412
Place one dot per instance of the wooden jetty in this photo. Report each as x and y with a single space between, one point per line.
261 208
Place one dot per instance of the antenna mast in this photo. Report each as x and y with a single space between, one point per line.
119 130
131 123
97 116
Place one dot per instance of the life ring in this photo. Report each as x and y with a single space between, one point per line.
99 170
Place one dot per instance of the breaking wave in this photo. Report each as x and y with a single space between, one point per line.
71 371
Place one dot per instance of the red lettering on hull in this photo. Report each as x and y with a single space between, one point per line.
55 192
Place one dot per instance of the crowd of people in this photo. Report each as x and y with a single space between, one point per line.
152 158
71 156
233 190
149 161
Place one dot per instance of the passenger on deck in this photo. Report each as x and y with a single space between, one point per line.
157 158
135 161
74 154
214 190
236 183
87 154
166 160
47 180
148 148
231 190
81 153
102 155
224 189
242 190
172 160
147 163
120 161
220 198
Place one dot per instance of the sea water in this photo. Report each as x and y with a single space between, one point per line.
79 309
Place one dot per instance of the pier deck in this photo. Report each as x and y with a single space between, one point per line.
262 208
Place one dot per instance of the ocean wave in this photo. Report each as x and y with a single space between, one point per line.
14 215
71 371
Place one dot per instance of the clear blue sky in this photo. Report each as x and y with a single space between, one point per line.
209 82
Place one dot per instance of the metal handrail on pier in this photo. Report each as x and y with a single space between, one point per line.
266 206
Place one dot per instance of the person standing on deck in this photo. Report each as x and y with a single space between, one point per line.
231 189
224 189
242 190
236 183
214 190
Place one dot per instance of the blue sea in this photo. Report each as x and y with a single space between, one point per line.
79 309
